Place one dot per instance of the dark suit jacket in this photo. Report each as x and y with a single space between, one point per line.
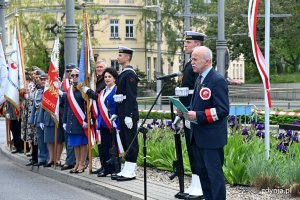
211 135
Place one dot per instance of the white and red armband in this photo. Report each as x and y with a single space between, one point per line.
211 115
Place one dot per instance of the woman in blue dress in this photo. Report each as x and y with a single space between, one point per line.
75 123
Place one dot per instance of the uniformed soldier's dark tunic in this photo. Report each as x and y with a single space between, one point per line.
127 85
188 80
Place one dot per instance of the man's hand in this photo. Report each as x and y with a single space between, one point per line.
41 125
60 93
113 118
7 116
191 115
128 122
179 113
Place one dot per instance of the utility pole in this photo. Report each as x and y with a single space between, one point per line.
70 34
187 23
3 4
221 42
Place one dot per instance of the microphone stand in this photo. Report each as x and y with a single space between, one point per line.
144 130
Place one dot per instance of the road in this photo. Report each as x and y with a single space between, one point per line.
20 184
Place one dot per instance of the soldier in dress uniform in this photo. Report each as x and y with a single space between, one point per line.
127 111
70 158
42 146
191 40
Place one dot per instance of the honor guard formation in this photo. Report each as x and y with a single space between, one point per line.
112 122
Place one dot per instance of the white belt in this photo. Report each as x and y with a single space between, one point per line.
119 98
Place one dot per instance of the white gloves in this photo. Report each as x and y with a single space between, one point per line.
65 126
187 124
128 122
84 125
7 115
26 96
113 117
60 93
85 89
41 126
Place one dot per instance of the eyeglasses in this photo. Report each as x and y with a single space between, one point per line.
68 71
74 75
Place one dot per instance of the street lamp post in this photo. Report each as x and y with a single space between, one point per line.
221 42
3 4
158 67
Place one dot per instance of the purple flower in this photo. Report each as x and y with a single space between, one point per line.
296 133
245 131
296 123
295 138
232 117
281 135
289 133
285 149
254 124
232 124
169 123
238 126
260 126
258 134
263 135
149 126
279 147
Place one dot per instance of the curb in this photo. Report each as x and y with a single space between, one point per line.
80 181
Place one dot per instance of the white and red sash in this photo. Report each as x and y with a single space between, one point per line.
66 84
103 108
79 114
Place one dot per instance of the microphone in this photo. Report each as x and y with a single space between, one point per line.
169 76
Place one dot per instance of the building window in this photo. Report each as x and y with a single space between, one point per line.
114 28
148 71
129 28
115 64
113 1
129 1
50 34
92 30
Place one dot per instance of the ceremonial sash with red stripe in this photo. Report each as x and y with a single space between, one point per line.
66 84
103 110
79 114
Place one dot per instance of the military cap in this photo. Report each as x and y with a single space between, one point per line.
127 50
191 35
70 66
44 76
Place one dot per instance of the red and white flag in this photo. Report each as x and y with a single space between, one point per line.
15 80
3 74
259 58
50 101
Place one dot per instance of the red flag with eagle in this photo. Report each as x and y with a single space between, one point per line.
259 58
50 100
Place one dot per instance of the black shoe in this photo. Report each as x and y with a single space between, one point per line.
65 167
103 173
122 178
40 164
17 151
114 177
50 164
28 154
101 169
31 163
192 197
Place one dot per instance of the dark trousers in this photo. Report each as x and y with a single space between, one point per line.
187 133
208 165
104 147
15 127
127 136
34 153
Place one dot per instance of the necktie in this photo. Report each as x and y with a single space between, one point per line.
198 82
